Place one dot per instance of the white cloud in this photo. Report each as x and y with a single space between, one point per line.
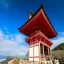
5 28
4 3
1 34
9 44
19 38
58 40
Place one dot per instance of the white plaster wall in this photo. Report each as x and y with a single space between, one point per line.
36 51
36 59
31 52
30 59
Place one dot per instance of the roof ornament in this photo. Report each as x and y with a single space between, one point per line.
31 14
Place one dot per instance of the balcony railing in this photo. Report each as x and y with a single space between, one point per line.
47 57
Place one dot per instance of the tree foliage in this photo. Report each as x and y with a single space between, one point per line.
59 47
8 57
58 52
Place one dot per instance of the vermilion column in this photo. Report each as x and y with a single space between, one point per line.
39 53
43 49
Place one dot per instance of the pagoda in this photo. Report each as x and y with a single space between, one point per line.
39 30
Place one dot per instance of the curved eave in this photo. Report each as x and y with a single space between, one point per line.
41 8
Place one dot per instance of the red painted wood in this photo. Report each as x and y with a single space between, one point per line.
37 57
38 22
39 36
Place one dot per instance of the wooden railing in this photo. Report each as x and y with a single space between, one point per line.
40 62
47 57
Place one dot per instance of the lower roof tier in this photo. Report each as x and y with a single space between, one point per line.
39 37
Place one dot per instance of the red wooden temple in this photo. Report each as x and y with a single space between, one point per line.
39 31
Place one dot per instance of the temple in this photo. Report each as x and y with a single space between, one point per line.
39 31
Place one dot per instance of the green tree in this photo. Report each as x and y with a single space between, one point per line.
8 57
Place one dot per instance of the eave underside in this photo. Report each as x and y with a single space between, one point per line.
39 37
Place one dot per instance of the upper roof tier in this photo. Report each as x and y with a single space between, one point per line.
39 21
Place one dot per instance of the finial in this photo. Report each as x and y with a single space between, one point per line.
31 14
41 6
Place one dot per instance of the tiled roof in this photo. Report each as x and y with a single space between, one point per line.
6 61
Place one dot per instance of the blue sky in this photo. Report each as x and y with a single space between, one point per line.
14 13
